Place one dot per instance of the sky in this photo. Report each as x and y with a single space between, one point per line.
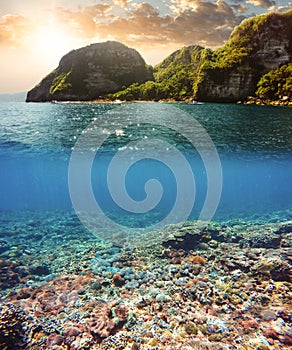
35 34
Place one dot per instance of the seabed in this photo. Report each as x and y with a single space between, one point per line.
227 286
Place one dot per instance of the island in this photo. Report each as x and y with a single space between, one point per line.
254 66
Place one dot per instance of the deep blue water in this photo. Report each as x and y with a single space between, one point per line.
253 145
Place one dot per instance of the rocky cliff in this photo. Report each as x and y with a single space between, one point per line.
255 47
258 46
91 72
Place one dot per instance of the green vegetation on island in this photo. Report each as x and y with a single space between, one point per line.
259 45
173 78
276 84
92 71
60 82
255 61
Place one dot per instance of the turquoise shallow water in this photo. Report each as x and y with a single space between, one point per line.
253 144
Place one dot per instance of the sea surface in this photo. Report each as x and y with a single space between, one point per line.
43 145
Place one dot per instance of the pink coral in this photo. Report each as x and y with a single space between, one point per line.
54 339
71 332
102 323
120 312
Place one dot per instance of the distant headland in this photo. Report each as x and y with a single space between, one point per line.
254 66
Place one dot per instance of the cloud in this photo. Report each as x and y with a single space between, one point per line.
206 23
262 3
83 22
237 1
121 3
288 7
239 8
14 29
143 24
98 9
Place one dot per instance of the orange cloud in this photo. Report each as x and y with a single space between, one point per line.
263 3
14 29
84 21
208 24
121 3
139 25
285 8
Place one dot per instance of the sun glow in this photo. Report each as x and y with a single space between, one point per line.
52 43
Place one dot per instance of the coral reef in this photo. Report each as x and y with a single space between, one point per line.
106 319
13 328
224 293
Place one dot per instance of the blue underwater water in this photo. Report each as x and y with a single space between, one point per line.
253 145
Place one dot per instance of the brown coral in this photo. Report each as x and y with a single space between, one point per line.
118 280
102 323
196 259
54 339
12 332
71 332
249 325
120 312
8 275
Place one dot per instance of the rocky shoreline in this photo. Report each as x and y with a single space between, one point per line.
249 101
285 102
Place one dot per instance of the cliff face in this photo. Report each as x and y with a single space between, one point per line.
91 72
257 46
228 87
